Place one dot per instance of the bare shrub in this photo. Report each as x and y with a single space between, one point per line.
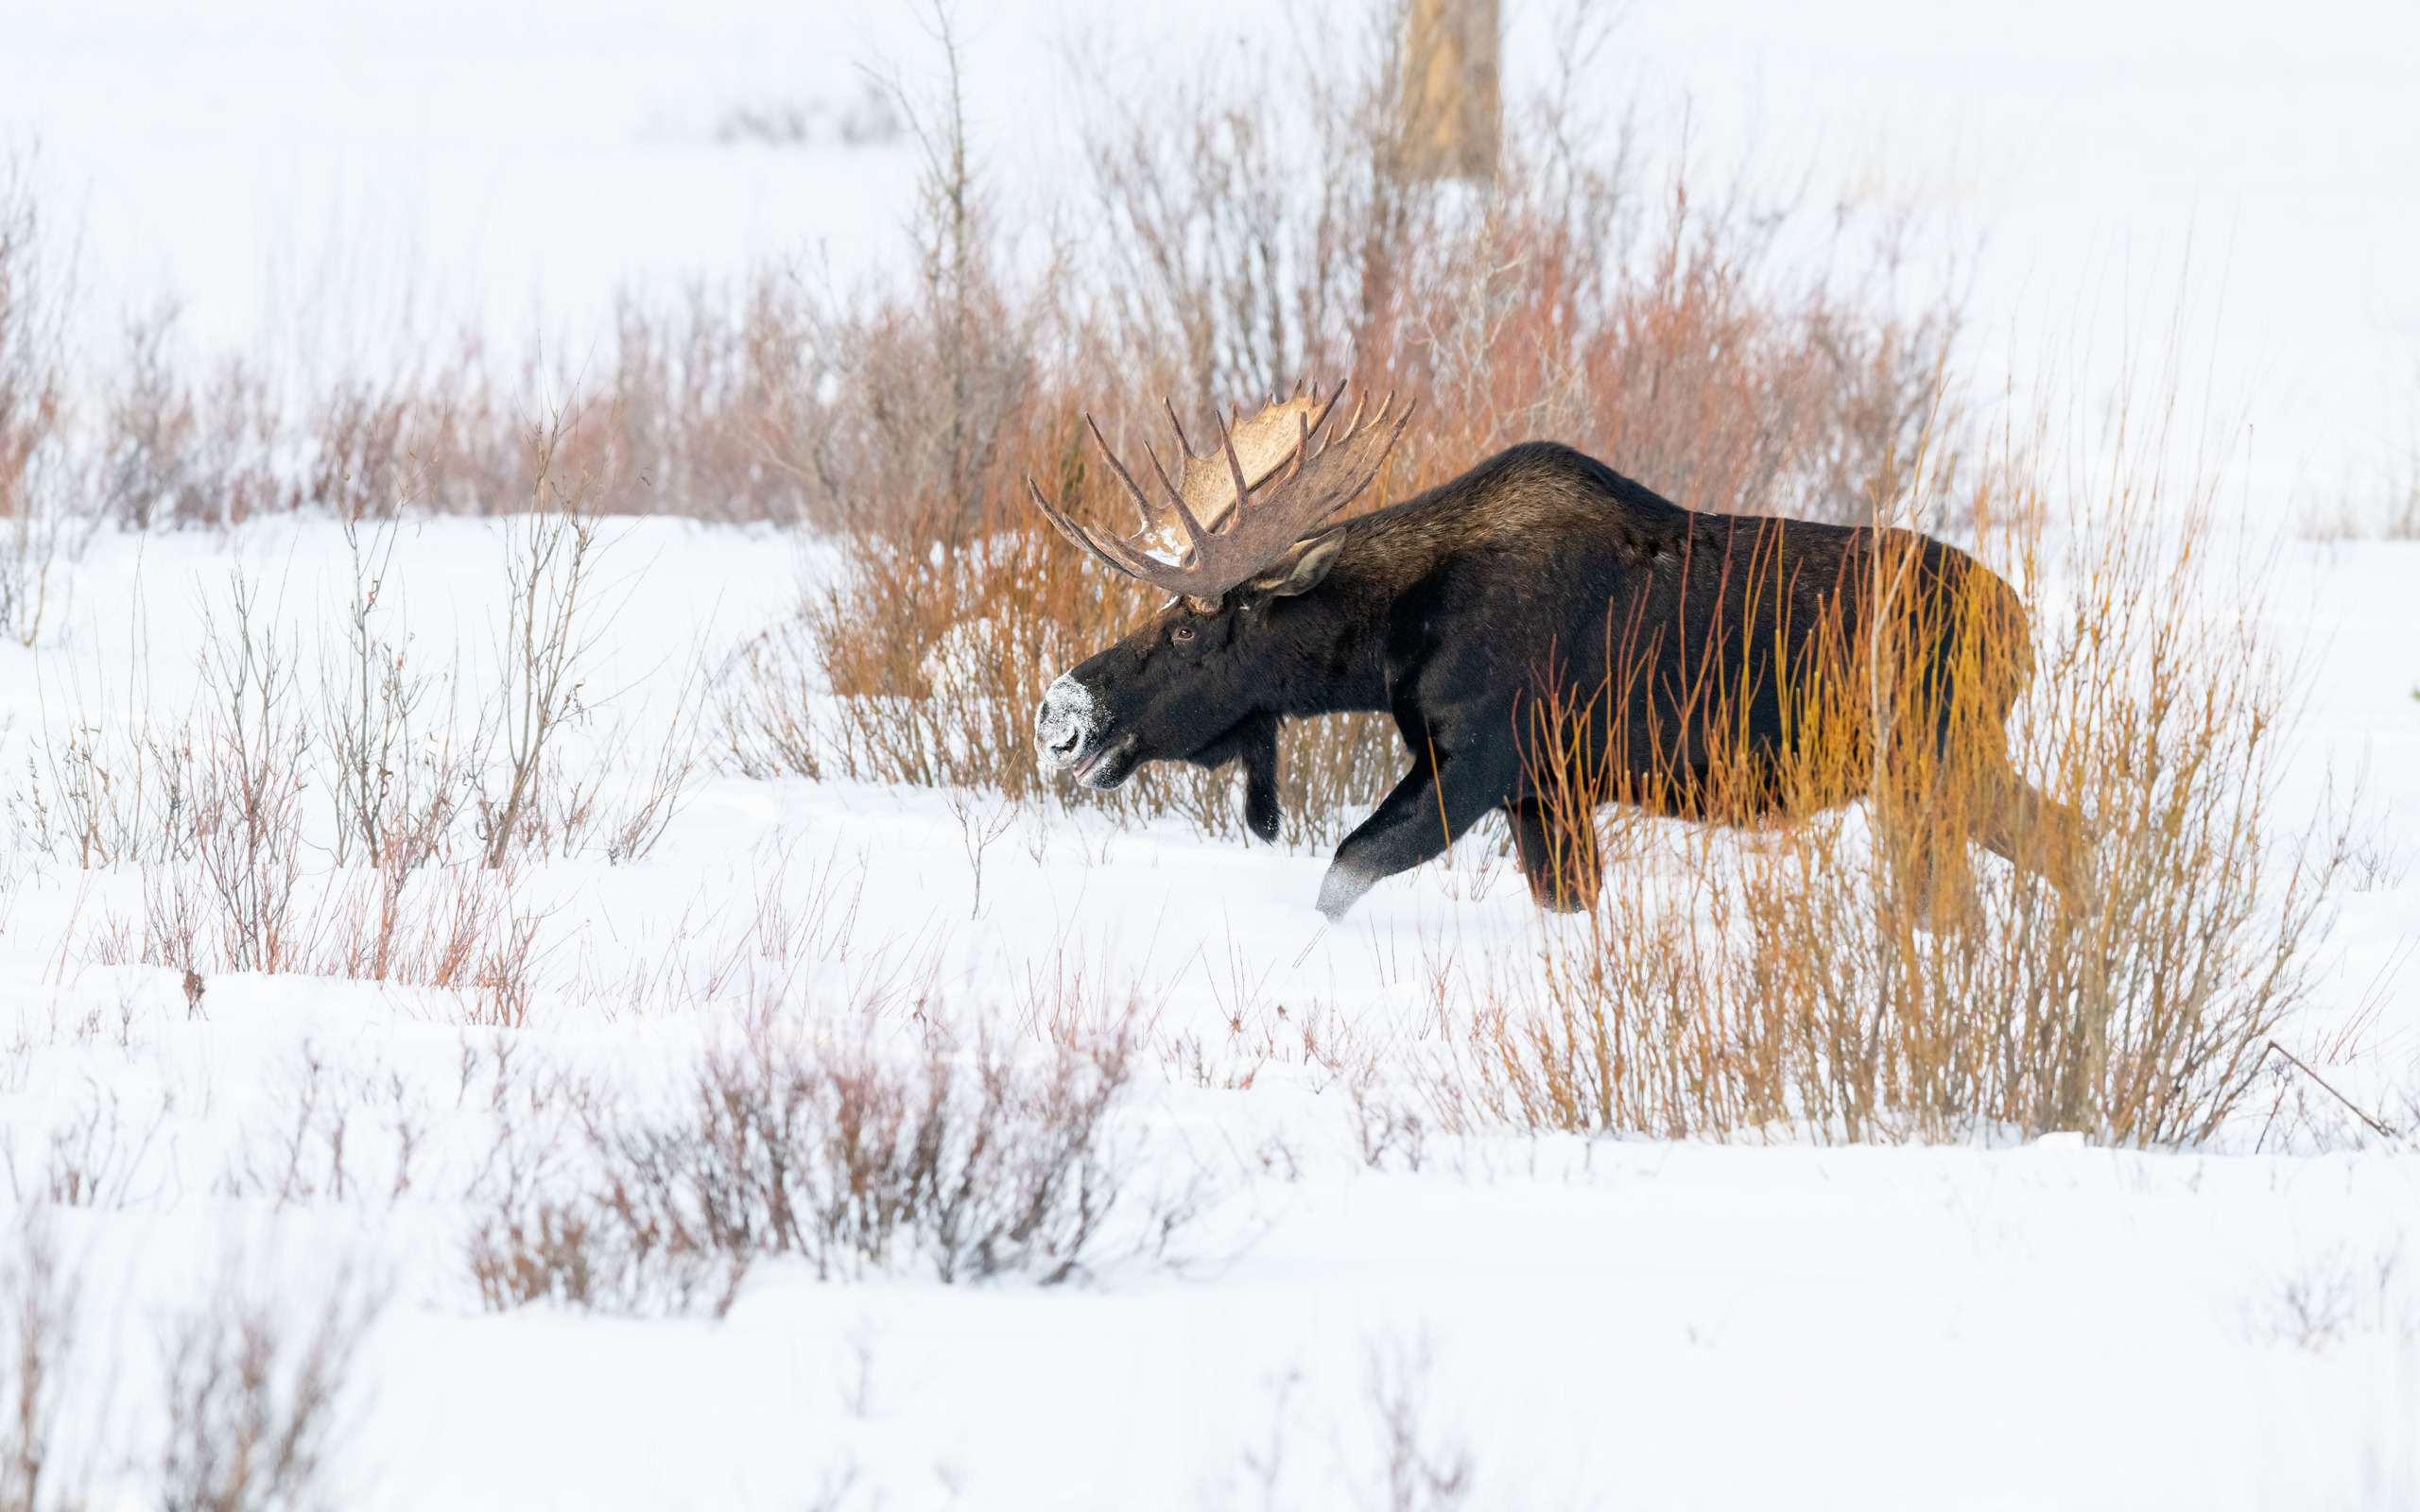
363 466
253 1402
432 434
503 981
247 818
1281 230
176 920
529 1245
549 800
104 792
550 555
765 699
177 453
928 389
396 776
869 120
580 1252
152 428
1389 1453
2403 502
1419 1472
459 927
210 806
421 929
701 387
699 391
965 1155
713 400
543 1251
2334 1295
349 1131
1387 1126
547 1232
39 1298
97 1157
255 1398
981 821
632 821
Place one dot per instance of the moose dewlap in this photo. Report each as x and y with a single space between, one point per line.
1549 637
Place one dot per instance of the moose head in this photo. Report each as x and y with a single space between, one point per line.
1206 679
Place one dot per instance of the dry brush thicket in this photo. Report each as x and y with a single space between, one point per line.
329 802
858 1144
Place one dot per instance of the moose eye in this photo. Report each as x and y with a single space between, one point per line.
1181 634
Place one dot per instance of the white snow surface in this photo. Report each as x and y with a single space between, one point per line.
1616 1323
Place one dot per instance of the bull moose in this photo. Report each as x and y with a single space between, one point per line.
1538 616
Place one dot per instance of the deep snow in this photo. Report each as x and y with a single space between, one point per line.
1616 1323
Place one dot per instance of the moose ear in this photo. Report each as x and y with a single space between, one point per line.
1300 570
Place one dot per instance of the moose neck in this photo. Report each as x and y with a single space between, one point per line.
1327 653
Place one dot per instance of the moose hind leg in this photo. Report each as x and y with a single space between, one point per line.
1924 853
1559 857
2019 823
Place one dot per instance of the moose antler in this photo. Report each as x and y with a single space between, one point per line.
1231 531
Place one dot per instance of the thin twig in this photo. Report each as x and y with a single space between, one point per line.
2296 1061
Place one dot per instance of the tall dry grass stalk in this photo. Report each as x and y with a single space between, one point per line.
1857 974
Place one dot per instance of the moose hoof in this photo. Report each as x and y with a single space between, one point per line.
1561 900
1343 888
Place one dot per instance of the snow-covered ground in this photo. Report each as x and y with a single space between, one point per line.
1353 1311
1583 1323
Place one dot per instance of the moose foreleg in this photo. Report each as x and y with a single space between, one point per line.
1434 802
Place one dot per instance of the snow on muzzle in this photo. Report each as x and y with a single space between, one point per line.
1071 728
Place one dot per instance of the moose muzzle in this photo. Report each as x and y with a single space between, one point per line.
1071 728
